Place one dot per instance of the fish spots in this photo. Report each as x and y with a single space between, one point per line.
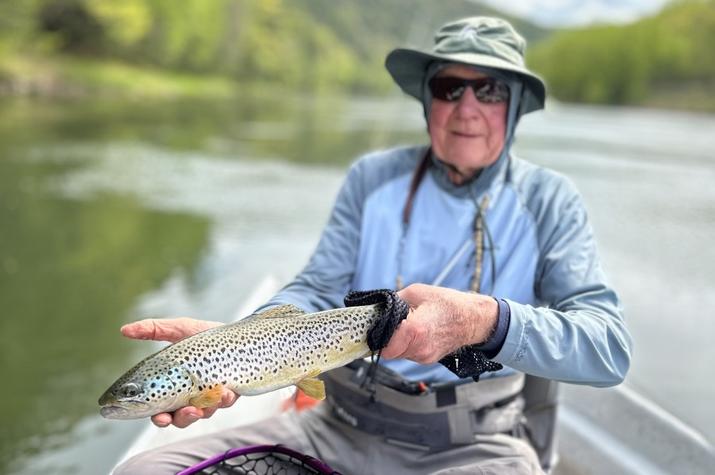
256 355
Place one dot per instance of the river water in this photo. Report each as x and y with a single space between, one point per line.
110 212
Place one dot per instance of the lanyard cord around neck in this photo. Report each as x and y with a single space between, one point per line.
480 227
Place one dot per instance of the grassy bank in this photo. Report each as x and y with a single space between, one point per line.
68 77
60 77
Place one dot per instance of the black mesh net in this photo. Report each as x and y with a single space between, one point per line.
260 464
262 460
469 362
466 362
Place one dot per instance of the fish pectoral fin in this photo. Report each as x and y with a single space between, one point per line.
209 397
312 387
281 311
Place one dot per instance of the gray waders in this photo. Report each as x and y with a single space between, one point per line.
468 429
447 415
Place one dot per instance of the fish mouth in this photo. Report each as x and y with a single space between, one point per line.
115 411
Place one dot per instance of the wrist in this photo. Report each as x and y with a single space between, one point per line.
485 319
492 321
493 344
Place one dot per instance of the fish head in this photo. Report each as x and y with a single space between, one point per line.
149 388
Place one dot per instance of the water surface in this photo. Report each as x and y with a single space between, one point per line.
112 212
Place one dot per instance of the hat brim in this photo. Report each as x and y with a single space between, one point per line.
407 67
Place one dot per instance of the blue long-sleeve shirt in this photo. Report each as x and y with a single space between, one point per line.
565 322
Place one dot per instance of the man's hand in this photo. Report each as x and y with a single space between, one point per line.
440 321
173 330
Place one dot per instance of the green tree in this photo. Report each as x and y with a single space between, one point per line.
665 59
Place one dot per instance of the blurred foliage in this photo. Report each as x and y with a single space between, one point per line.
663 60
307 44
154 47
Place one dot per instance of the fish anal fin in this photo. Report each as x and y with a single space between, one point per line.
312 386
281 311
209 397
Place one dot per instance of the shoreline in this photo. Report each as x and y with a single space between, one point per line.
72 78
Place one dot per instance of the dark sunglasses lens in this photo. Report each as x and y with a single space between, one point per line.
446 88
486 90
491 91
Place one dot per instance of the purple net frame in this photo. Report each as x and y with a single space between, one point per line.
309 461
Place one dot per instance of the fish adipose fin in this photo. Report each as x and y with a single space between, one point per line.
312 386
281 311
208 397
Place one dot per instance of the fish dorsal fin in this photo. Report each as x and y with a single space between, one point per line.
312 386
281 311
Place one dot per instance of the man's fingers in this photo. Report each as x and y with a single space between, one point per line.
140 330
186 416
161 420
209 411
153 329
166 329
228 398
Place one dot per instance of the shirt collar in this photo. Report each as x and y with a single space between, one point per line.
477 185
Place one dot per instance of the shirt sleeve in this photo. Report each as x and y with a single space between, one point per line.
494 343
327 277
578 334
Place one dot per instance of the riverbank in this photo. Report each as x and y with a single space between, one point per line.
78 78
83 78
697 97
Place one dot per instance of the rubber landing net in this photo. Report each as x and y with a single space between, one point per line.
260 460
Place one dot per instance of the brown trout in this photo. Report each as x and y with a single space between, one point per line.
280 347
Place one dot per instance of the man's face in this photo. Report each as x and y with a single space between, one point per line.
466 133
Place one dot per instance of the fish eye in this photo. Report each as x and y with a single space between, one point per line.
130 390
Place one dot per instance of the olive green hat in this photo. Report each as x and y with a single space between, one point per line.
477 41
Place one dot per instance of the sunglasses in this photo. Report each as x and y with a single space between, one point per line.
486 90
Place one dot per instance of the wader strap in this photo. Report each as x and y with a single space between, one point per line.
490 406
419 174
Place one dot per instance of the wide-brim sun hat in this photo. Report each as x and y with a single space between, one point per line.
486 42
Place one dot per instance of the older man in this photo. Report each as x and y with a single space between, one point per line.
492 254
